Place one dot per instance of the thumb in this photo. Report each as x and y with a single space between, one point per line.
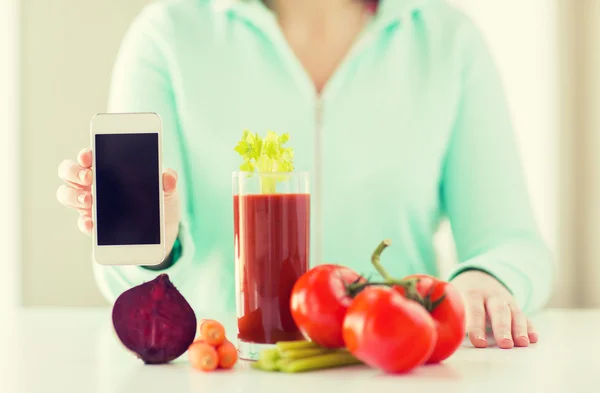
169 182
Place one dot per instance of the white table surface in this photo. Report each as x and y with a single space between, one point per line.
75 350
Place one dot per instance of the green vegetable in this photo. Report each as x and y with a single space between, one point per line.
283 363
300 344
330 359
300 356
303 353
265 156
320 362
268 359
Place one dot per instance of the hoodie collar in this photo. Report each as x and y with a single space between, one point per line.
388 11
260 17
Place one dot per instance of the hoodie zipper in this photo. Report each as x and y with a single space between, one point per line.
332 85
317 193
318 181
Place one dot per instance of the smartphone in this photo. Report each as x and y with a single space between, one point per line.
127 190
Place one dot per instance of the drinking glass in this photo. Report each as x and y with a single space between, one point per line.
271 246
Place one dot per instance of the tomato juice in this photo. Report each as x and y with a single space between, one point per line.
272 251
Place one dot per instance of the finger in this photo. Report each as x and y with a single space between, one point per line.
85 212
500 317
169 182
73 173
84 158
85 225
533 335
74 198
519 326
475 316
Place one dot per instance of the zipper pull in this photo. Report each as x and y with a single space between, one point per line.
318 112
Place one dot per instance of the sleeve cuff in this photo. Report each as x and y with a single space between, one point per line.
509 276
120 278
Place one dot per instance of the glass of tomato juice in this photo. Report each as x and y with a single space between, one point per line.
271 243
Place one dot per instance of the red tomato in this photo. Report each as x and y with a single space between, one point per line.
449 314
319 301
387 331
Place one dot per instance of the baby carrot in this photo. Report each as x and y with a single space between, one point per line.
211 331
227 354
203 357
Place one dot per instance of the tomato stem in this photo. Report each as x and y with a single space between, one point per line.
408 284
433 305
376 260
355 288
410 288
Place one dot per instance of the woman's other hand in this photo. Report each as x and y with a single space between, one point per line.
487 301
76 194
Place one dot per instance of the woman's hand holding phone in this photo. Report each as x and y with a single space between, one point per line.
76 193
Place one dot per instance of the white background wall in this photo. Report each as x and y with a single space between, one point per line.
9 105
587 287
9 229
68 49
522 37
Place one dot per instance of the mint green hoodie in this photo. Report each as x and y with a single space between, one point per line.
412 128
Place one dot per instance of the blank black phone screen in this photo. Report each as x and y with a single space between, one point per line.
127 189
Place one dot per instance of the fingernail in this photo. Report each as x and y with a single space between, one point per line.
81 198
522 339
479 335
507 336
82 175
534 338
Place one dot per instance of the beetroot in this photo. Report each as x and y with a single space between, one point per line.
154 321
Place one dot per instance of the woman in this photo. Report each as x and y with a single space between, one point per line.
397 111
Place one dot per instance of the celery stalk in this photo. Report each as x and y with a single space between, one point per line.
266 155
320 362
267 360
300 344
304 353
282 364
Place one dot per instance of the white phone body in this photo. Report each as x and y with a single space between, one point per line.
127 230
